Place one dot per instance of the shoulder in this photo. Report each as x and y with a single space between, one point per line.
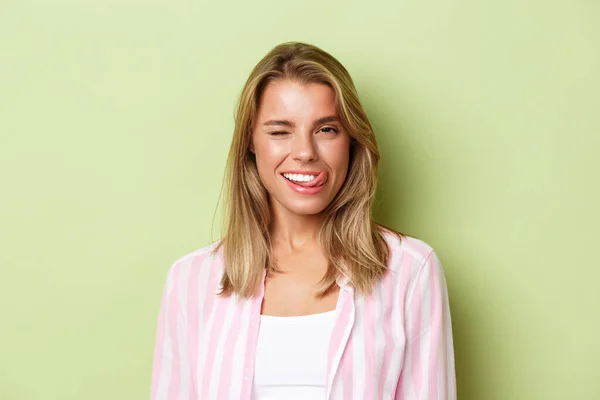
206 260
193 279
205 251
411 260
410 249
413 265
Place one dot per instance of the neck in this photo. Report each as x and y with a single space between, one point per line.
292 232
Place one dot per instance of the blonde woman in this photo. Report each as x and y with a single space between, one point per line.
305 296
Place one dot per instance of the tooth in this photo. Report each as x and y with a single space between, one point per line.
300 177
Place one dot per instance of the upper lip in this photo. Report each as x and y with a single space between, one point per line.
301 172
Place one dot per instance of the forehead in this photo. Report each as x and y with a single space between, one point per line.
286 98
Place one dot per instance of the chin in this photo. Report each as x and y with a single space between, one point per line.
306 209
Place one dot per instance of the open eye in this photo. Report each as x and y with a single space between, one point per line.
329 129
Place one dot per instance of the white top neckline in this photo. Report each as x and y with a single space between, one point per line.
296 317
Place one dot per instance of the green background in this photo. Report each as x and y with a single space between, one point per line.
115 122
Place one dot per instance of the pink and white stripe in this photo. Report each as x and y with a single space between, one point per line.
396 343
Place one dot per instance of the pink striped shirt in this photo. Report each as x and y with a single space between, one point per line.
395 343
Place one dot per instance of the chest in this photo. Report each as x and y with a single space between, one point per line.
363 354
293 289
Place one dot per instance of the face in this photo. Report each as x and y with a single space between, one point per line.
302 151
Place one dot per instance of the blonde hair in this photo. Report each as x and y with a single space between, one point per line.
353 243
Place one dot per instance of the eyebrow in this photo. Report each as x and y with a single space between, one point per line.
285 122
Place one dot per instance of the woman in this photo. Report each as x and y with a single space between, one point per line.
305 296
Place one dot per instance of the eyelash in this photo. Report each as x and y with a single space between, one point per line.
279 133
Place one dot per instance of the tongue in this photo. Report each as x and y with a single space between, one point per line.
305 184
315 182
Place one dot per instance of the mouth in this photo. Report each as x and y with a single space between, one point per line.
304 180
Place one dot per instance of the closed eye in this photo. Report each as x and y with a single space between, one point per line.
325 129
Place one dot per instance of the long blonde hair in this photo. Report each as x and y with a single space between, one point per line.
352 241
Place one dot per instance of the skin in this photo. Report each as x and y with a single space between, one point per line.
301 144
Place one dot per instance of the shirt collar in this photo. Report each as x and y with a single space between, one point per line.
342 280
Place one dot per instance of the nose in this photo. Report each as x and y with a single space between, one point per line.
304 149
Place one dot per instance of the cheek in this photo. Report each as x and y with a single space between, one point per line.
268 154
340 155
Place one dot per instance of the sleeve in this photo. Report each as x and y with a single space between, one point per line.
171 368
428 369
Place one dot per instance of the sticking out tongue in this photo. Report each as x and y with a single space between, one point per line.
315 182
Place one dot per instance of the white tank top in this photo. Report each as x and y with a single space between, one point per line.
291 357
